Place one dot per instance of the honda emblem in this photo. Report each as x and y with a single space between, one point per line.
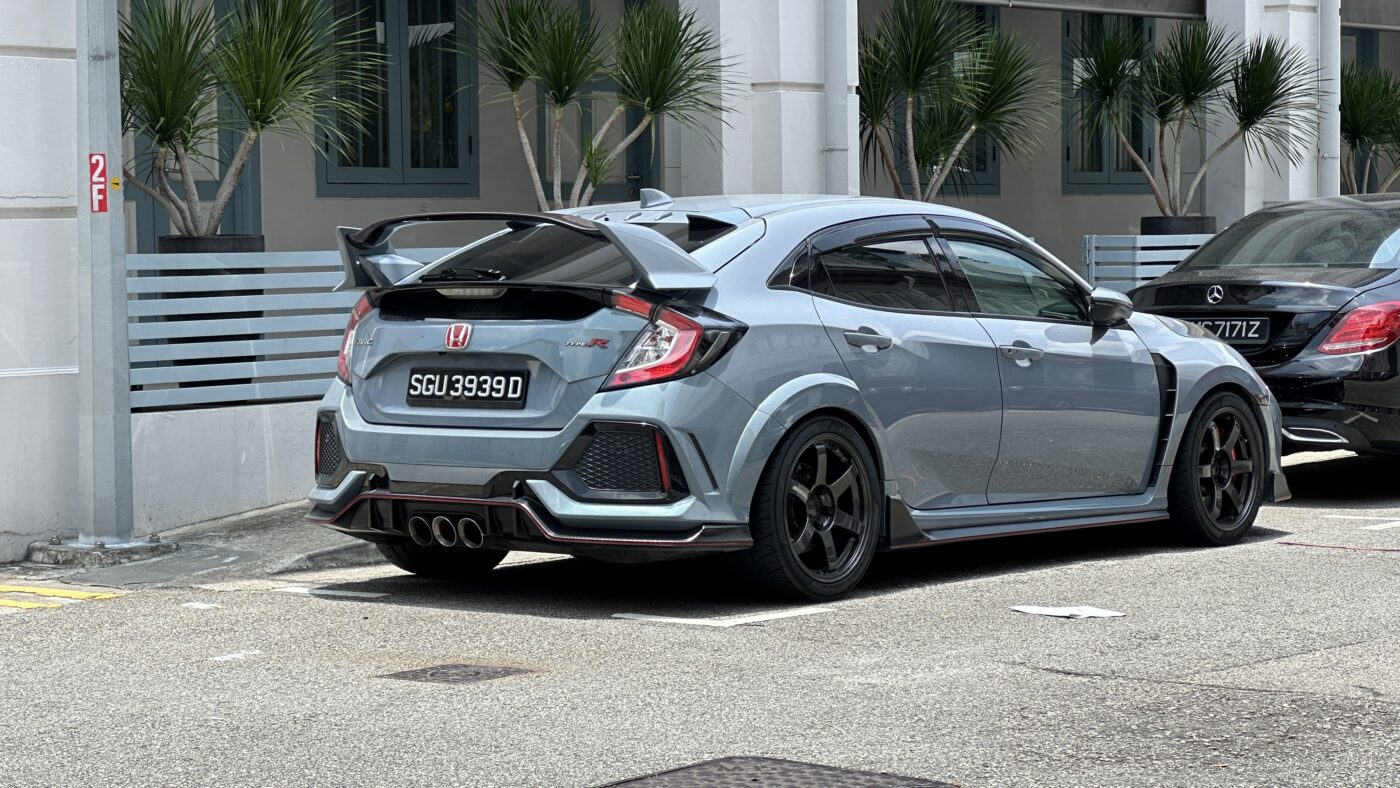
1215 294
458 334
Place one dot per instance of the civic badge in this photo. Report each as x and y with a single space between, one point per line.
458 334
1215 294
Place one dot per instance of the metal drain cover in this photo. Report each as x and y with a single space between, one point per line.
773 773
456 674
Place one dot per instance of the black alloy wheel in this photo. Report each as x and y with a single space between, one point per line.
1217 482
818 513
827 498
1225 468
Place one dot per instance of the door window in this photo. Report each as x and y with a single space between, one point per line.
898 275
1010 285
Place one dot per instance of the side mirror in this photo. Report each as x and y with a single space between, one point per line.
1109 307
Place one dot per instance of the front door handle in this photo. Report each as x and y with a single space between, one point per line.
868 338
1021 353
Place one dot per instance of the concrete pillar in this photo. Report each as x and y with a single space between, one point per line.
1238 184
38 314
792 122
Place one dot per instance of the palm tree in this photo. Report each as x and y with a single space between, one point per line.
283 66
1263 93
502 29
1001 95
562 59
916 39
1370 124
665 63
954 82
877 97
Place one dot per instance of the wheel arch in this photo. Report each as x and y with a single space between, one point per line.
804 398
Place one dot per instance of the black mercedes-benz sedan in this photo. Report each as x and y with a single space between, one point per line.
1309 294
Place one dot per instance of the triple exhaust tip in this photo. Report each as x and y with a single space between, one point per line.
466 532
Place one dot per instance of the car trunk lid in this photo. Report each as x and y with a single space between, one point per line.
1295 303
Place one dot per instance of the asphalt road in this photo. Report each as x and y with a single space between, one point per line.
1271 663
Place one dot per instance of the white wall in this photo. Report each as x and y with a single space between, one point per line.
195 465
38 327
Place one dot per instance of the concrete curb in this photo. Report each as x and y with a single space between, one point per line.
89 556
338 557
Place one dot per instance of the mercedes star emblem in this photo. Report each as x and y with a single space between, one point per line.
1215 294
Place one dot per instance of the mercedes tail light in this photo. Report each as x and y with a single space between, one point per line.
673 345
347 343
1366 328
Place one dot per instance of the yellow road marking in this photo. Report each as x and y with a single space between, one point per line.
26 605
61 593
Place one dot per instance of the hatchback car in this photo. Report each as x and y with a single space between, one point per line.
1309 293
798 381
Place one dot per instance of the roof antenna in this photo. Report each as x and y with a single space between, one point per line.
654 198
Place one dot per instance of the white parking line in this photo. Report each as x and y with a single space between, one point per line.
1390 522
732 621
307 591
235 657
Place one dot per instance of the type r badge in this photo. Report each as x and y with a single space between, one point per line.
597 342
458 334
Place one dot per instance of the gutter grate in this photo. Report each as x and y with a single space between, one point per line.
456 674
773 773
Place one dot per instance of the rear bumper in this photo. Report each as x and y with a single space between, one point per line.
508 479
1358 412
513 523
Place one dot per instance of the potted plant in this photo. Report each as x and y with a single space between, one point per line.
1261 93
663 61
1370 127
267 66
931 80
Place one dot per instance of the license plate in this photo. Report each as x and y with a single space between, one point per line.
458 388
1237 330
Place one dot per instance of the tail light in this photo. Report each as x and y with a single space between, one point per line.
672 346
1366 328
347 343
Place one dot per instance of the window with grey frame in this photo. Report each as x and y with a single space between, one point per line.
419 141
1094 160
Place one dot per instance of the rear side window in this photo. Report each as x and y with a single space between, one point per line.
1006 284
892 275
1327 238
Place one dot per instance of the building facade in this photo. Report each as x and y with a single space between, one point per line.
790 125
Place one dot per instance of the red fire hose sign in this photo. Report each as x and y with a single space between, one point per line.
97 182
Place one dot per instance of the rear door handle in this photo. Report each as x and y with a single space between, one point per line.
1021 353
868 337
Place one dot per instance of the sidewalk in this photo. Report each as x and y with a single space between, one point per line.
259 543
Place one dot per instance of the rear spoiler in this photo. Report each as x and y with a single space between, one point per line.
369 259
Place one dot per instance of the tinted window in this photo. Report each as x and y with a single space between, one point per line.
1006 284
1338 238
549 253
893 275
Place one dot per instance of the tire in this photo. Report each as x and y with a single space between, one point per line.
441 563
807 510
1217 482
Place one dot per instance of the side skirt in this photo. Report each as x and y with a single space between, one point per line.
921 529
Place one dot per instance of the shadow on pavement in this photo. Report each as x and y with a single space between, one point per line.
709 587
1360 482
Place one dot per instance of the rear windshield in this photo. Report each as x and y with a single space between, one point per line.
1332 238
549 253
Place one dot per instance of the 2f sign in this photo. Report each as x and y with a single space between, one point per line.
97 182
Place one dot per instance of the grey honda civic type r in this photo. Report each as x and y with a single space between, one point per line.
798 382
